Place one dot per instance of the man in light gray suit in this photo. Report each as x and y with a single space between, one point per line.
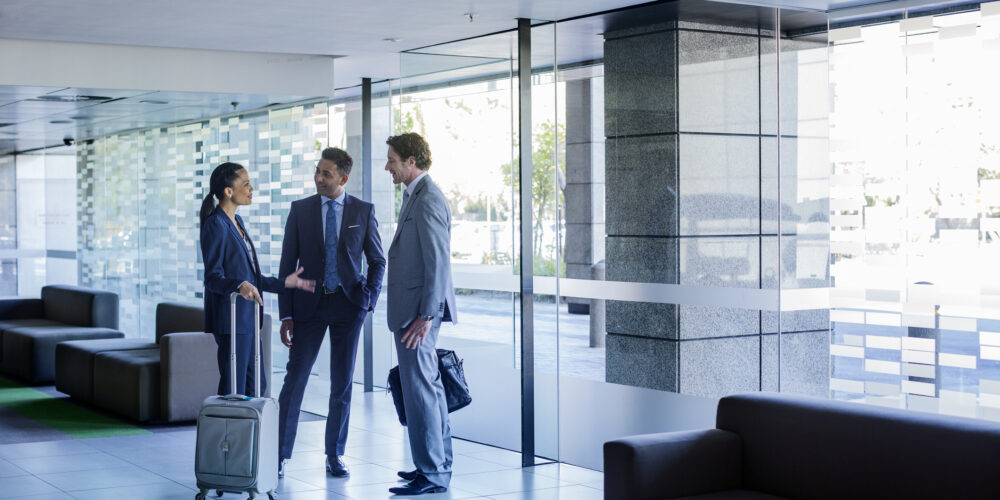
421 296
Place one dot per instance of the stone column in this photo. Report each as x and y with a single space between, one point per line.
685 149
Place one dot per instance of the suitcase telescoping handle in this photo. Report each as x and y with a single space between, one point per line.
232 346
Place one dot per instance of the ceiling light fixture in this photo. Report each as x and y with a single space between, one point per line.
70 98
392 40
149 101
60 122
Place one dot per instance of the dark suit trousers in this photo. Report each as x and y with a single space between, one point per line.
344 320
244 355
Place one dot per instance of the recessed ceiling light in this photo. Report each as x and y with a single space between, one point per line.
71 98
60 122
150 101
392 40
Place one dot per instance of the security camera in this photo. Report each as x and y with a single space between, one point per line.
69 141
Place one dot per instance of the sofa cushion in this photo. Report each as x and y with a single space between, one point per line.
80 306
128 383
733 495
75 363
15 323
8 324
173 317
800 447
30 351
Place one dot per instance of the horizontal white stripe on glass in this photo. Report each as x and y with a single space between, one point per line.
918 344
919 388
846 316
880 342
957 360
989 338
847 351
987 386
991 400
962 31
922 357
989 352
961 324
839 384
923 371
884 319
916 24
801 299
857 340
881 389
842 34
919 320
879 366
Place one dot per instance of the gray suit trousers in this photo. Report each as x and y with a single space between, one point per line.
426 408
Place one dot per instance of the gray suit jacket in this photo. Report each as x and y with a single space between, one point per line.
420 260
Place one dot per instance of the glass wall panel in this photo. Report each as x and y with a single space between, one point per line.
8 226
673 226
913 206
799 261
462 98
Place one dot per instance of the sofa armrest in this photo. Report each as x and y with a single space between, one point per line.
672 464
21 308
189 373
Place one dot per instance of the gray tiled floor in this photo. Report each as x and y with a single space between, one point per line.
160 466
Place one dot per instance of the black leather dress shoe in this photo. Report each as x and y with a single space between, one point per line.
336 467
418 486
408 475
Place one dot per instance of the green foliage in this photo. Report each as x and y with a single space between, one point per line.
544 195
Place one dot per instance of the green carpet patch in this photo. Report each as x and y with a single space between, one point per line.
61 414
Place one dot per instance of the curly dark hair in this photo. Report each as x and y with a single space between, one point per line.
411 144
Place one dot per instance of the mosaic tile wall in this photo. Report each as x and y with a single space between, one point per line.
8 225
139 195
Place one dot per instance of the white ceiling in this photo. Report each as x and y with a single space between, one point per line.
355 31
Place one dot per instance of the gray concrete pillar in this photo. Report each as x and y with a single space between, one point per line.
683 111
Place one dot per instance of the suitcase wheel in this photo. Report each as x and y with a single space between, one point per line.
218 493
200 496
272 495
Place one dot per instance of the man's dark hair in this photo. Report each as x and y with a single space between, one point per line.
411 144
340 158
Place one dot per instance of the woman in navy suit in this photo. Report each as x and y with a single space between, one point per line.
231 266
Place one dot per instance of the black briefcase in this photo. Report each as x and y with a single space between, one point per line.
456 389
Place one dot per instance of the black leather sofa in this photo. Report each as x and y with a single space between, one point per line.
30 329
768 446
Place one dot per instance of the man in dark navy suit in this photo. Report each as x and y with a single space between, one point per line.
327 233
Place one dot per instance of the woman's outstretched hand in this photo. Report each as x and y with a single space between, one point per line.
294 281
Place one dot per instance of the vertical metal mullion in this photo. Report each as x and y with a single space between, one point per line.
527 258
366 194
777 79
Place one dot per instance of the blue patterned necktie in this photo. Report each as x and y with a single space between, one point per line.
330 279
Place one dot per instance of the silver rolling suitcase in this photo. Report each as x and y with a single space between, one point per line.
237 444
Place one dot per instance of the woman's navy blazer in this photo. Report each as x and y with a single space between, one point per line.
227 265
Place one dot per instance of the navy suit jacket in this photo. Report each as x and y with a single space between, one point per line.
228 264
303 246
